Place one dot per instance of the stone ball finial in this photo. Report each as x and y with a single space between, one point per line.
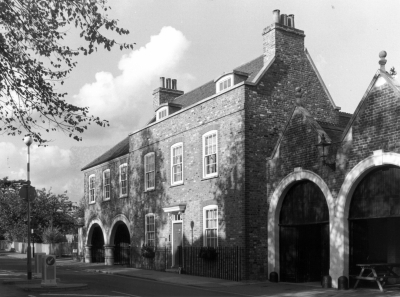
382 61
298 96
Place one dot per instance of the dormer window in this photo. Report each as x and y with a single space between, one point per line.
225 84
162 113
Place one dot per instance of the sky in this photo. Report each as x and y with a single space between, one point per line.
195 42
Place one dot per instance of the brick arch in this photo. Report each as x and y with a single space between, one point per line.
117 220
341 226
90 232
275 208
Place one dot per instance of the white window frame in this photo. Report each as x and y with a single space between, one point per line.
175 165
146 187
161 110
205 136
91 201
205 209
105 185
222 81
121 194
147 232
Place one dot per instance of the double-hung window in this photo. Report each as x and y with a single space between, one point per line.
210 154
91 188
123 180
210 225
149 171
177 164
150 230
106 184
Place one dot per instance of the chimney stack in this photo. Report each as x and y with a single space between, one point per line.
281 39
166 93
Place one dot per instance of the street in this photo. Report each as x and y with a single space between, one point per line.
100 284
113 285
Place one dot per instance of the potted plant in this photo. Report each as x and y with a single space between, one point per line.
208 253
148 251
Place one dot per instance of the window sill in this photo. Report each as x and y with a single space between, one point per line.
176 185
93 202
105 200
123 196
150 190
210 177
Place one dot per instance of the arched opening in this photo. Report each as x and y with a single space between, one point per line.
304 234
374 218
97 243
121 244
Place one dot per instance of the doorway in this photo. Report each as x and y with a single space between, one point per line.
97 242
177 238
122 245
304 234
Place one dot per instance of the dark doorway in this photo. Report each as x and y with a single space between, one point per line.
374 219
304 234
176 243
97 245
122 245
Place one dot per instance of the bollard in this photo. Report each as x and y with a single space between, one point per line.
343 283
326 282
273 277
49 271
38 264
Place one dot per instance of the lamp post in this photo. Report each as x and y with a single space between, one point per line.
28 141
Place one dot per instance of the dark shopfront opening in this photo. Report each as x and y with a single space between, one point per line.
304 234
97 245
374 220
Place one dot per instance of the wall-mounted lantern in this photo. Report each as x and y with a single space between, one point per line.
323 148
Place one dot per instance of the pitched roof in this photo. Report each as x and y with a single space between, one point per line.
190 98
208 89
120 149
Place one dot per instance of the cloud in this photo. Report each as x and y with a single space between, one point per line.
126 100
50 167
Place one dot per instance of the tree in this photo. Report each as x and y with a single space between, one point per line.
48 211
34 59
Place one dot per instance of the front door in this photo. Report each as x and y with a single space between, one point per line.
176 242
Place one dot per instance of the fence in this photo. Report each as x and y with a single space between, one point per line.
97 254
161 261
122 254
227 263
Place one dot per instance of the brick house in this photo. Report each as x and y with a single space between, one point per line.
222 165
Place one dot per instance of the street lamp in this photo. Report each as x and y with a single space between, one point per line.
28 141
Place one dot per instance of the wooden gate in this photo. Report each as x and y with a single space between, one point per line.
304 234
374 218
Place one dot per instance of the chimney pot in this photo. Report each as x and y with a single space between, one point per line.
291 20
174 84
168 83
284 19
162 82
276 15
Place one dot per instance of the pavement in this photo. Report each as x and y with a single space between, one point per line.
274 289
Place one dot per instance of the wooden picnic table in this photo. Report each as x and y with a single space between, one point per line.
378 272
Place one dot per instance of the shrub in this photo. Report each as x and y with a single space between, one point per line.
148 251
208 253
52 235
